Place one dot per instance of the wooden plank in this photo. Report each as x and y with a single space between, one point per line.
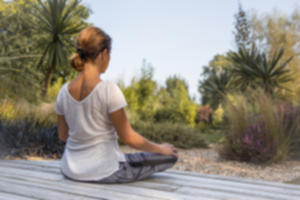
235 179
253 185
30 167
8 196
220 189
241 195
45 164
123 188
40 193
155 186
36 174
63 191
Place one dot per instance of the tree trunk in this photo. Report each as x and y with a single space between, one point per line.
46 81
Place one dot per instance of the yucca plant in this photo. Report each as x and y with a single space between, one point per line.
214 88
253 68
57 22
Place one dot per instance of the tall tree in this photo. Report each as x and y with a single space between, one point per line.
57 21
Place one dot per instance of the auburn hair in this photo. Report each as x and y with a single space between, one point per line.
89 43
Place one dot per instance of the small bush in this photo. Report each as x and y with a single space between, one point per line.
178 134
259 130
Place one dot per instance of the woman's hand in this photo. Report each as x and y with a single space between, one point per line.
168 149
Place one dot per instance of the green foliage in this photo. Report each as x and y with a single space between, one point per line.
169 115
141 96
54 89
275 30
217 116
255 69
178 134
42 113
57 22
18 78
256 131
180 100
149 102
36 32
216 81
214 87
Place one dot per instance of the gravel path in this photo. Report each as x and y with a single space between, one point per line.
208 161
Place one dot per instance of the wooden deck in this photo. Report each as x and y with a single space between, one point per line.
24 180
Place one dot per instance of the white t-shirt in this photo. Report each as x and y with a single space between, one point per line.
91 151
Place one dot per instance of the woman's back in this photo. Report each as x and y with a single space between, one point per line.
89 125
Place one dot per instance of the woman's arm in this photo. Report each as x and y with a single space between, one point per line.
135 140
62 128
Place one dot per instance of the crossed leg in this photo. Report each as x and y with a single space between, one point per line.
139 166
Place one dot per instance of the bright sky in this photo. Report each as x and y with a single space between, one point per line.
175 36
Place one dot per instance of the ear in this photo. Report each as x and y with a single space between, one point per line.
105 54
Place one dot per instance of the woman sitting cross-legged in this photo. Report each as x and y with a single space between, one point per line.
91 118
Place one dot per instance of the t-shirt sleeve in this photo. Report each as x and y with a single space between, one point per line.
59 103
116 99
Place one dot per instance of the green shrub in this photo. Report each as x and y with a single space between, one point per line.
257 131
179 135
169 115
217 116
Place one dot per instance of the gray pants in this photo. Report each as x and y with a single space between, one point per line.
139 166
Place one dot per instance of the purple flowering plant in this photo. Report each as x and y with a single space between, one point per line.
260 129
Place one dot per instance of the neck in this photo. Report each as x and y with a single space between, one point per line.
91 71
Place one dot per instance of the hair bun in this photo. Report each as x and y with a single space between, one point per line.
76 62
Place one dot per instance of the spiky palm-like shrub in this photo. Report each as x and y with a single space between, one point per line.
253 68
214 88
57 22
